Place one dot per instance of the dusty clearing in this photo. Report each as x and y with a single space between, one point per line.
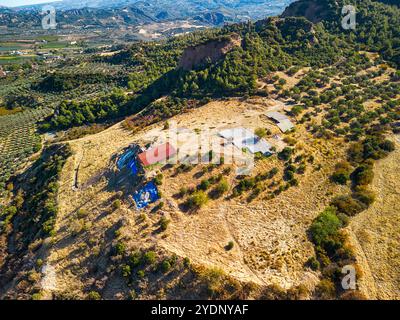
376 232
271 244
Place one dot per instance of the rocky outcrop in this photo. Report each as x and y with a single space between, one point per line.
208 52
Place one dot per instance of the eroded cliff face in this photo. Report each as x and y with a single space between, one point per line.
209 52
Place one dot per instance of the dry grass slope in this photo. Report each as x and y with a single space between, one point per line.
376 232
270 238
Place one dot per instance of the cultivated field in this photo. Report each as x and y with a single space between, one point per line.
18 140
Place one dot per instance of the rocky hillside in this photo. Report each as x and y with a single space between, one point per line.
209 52
378 24
72 232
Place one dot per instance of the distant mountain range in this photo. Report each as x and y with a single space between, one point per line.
107 13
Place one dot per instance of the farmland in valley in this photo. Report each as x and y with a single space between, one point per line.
18 140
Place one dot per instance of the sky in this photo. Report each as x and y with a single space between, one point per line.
16 3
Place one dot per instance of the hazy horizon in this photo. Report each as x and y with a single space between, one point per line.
18 3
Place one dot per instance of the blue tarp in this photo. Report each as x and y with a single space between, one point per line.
133 166
123 160
128 160
148 194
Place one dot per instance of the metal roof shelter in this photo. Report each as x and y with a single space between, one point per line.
285 125
158 154
283 122
277 116
243 138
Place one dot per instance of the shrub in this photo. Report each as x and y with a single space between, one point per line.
183 191
159 206
39 263
365 196
261 132
340 177
301 169
204 185
158 180
126 271
81 213
296 110
164 222
273 172
165 266
344 218
288 175
387 145
244 185
33 276
132 294
135 259
282 82
94 295
313 263
325 228
120 248
229 246
149 257
355 152
141 274
363 175
342 173
348 205
10 187
353 295
116 204
290 141
186 262
37 296
325 289
373 147
9 213
197 200
213 279
285 154
221 188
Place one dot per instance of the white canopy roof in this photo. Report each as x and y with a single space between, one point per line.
285 125
243 138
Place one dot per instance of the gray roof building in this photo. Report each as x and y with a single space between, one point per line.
282 121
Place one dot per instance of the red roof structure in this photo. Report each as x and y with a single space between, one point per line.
160 153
